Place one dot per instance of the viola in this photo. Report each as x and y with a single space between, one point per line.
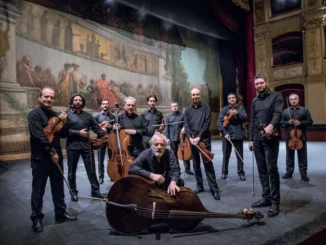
206 154
96 143
134 204
54 125
295 143
119 142
184 149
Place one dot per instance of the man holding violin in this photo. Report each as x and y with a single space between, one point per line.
229 123
78 144
296 119
45 155
158 164
174 124
266 112
105 119
197 122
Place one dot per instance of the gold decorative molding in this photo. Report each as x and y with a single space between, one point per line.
260 36
314 51
261 56
312 4
314 19
259 12
281 73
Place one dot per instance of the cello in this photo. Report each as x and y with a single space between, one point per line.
184 150
119 142
143 205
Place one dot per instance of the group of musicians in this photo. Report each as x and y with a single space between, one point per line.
153 159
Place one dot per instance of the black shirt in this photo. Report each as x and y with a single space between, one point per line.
198 120
152 118
137 123
77 122
303 116
266 109
235 129
146 163
40 145
172 131
101 116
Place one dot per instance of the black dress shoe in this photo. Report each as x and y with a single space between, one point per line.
216 195
65 218
101 180
37 226
261 203
223 176
242 177
97 195
273 210
305 178
189 172
198 190
74 197
287 175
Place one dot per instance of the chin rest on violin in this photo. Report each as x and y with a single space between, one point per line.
134 204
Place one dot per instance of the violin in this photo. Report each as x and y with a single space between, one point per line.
227 118
206 155
144 205
295 143
161 128
119 142
262 132
54 125
96 143
184 149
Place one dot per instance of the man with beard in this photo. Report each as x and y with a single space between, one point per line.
264 129
233 132
78 143
153 117
105 119
296 118
174 124
46 158
197 121
158 164
133 124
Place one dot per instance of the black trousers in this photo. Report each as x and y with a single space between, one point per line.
302 159
227 148
174 147
266 153
41 171
101 157
73 157
209 168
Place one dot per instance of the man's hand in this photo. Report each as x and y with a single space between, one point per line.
84 133
233 112
291 121
63 117
227 136
55 159
183 130
116 126
172 188
194 141
157 178
296 122
268 130
250 145
130 131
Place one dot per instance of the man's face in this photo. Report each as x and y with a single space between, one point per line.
174 107
261 85
47 98
294 100
105 105
151 102
103 77
77 102
232 99
130 106
195 95
158 146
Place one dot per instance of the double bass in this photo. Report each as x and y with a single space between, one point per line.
143 205
119 142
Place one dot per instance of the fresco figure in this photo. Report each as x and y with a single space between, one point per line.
44 27
38 77
49 79
68 40
29 20
56 34
63 83
78 80
92 89
104 91
24 75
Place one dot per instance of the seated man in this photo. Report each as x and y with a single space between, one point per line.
159 164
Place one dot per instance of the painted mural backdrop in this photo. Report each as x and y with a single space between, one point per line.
72 55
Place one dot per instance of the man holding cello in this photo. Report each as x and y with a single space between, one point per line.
197 122
45 155
296 119
174 124
229 123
